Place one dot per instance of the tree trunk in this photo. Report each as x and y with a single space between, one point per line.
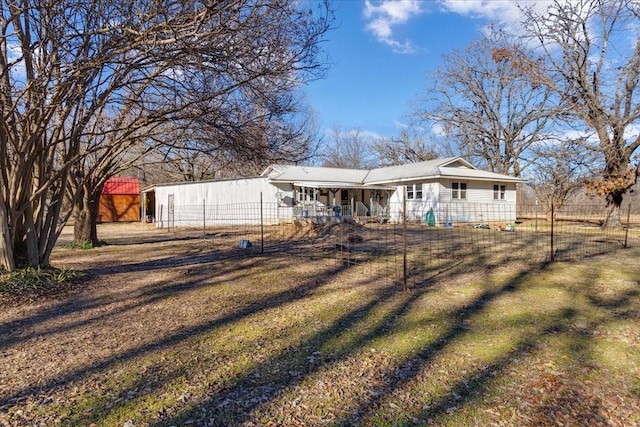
614 202
612 218
84 227
6 244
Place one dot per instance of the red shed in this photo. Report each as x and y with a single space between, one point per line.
120 200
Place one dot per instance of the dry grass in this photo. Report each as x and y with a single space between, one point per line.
197 332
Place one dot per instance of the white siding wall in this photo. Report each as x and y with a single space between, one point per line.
445 191
236 202
415 208
479 205
242 197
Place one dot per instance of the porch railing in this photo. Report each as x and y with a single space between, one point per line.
379 211
361 209
311 209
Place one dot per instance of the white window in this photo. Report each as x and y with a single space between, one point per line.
499 192
414 191
458 190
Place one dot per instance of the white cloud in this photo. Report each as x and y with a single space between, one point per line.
384 15
507 13
17 69
366 135
632 131
492 9
438 130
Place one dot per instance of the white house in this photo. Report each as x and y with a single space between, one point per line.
442 191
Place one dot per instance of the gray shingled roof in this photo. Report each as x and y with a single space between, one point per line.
450 167
291 173
476 174
410 171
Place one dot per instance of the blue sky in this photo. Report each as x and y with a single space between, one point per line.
382 52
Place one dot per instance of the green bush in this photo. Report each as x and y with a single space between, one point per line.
35 280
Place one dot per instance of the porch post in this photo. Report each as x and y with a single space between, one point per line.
315 200
143 207
304 202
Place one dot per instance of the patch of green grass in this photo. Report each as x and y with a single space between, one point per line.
84 245
38 279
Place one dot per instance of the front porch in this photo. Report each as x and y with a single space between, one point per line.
362 205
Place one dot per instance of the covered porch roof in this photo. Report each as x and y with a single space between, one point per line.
341 185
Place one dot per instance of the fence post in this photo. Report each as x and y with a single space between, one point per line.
405 288
204 220
261 226
171 214
553 220
626 231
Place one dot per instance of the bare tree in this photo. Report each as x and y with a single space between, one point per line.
408 147
105 153
559 171
488 106
590 57
82 82
198 151
348 149
249 107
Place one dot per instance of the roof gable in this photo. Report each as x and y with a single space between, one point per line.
411 171
457 162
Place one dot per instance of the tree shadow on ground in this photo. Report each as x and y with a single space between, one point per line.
232 400
20 331
234 404
11 332
231 405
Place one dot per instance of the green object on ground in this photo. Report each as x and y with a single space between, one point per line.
429 218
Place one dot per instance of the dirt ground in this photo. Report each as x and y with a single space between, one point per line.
126 232
48 342
146 292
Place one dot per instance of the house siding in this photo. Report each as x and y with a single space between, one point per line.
220 202
289 191
479 206
416 209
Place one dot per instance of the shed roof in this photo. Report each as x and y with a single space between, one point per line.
121 185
